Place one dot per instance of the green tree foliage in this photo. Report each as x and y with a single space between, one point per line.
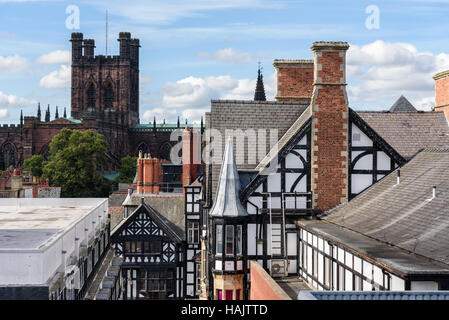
34 165
74 159
127 171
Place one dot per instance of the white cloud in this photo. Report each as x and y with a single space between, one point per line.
12 101
3 113
55 57
12 64
383 71
160 115
230 55
190 97
57 79
163 12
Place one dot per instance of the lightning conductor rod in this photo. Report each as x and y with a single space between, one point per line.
106 32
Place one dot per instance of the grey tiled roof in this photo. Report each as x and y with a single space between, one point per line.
244 115
408 132
402 105
405 215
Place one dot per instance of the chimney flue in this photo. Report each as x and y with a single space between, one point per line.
434 192
399 177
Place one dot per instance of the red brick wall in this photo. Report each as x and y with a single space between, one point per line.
329 126
442 92
294 80
263 287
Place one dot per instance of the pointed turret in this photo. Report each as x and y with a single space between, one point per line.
65 112
21 117
229 221
154 123
259 95
47 114
56 113
202 125
178 122
227 201
39 111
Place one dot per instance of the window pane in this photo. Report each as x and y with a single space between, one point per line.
239 240
230 240
219 237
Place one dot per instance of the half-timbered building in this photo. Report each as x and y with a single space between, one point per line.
152 251
325 154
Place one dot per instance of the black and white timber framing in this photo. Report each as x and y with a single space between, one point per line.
289 189
152 250
193 223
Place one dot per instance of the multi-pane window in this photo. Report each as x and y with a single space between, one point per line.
219 239
229 240
193 232
145 247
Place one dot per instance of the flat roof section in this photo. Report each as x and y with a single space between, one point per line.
32 223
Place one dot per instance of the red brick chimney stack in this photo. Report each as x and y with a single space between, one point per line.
442 92
140 173
329 108
191 155
294 80
149 174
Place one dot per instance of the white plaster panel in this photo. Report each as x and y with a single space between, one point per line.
252 239
357 264
292 161
367 269
274 182
397 284
348 280
364 163
383 161
363 140
360 182
291 244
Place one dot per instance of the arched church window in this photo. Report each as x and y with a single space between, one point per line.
108 96
164 152
91 96
8 156
144 148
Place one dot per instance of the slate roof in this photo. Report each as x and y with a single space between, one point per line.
402 105
172 229
408 132
405 215
239 114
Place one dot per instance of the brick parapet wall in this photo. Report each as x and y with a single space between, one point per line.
263 287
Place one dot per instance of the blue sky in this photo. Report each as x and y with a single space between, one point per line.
194 51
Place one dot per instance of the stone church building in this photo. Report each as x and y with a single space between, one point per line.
104 98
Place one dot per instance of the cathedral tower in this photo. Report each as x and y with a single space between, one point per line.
105 87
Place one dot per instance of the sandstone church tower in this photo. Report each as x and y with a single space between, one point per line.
105 87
